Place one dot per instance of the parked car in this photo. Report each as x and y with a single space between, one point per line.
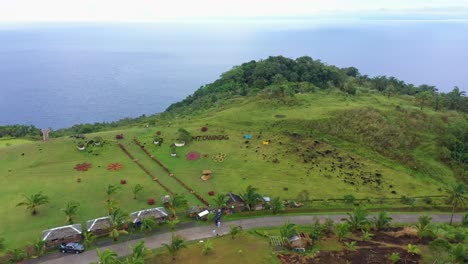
71 248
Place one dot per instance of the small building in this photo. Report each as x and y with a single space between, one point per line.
235 203
99 226
300 240
159 214
63 234
262 203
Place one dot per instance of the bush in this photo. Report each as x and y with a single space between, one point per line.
427 200
349 199
204 129
158 132
119 136
150 201
407 200
211 193
123 181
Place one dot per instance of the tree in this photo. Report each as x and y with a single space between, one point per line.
220 201
17 254
178 202
251 197
88 239
422 98
107 256
138 253
70 211
177 243
358 219
111 189
454 98
172 224
184 135
117 220
456 197
33 201
422 227
234 231
276 205
349 199
207 247
341 230
136 190
382 220
39 247
147 224
111 205
288 230
440 248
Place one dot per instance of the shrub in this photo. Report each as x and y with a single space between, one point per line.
150 201
158 132
211 193
119 136
427 200
394 257
123 181
349 199
204 129
78 180
407 200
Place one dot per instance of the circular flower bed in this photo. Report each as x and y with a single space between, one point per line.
219 157
83 166
150 201
193 155
114 166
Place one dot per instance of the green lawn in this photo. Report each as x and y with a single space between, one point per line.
8 142
245 248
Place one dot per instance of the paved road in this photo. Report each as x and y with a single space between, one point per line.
202 232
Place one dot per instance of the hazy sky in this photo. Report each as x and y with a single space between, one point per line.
153 10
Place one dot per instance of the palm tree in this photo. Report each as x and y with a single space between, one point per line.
382 220
251 197
138 253
107 256
39 247
70 211
117 219
111 189
288 230
147 224
111 205
456 197
358 219
234 231
207 247
220 201
178 202
172 224
341 230
33 201
136 190
175 246
88 239
276 205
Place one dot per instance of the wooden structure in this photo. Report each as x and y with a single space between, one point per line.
159 214
99 226
300 240
63 234
206 174
194 210
235 203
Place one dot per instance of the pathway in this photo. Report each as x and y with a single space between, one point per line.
202 232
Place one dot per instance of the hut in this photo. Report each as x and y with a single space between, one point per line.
99 226
194 210
264 202
159 214
300 240
235 203
63 234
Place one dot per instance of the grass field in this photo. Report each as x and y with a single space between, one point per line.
245 248
276 169
8 142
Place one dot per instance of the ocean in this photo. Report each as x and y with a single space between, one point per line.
57 75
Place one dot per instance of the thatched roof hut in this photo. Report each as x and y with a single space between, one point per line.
159 214
63 234
99 226
235 203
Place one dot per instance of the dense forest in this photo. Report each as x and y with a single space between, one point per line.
280 77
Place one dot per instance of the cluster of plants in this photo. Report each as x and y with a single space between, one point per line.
193 155
219 157
114 166
82 166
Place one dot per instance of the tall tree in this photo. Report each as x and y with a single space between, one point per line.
111 189
33 201
70 211
456 197
220 201
288 230
177 243
234 231
138 253
136 190
107 256
251 197
276 205
117 219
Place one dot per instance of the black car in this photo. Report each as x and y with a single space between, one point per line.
71 248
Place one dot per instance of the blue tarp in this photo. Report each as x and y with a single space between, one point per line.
248 136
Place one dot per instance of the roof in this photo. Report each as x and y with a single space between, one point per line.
294 238
98 223
61 232
194 209
203 213
158 212
234 198
207 172
266 199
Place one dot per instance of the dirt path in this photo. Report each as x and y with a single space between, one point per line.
201 232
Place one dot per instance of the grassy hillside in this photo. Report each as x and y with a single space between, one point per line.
311 148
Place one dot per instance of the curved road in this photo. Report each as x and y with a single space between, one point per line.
202 232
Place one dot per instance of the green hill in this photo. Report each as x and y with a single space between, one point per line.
316 131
